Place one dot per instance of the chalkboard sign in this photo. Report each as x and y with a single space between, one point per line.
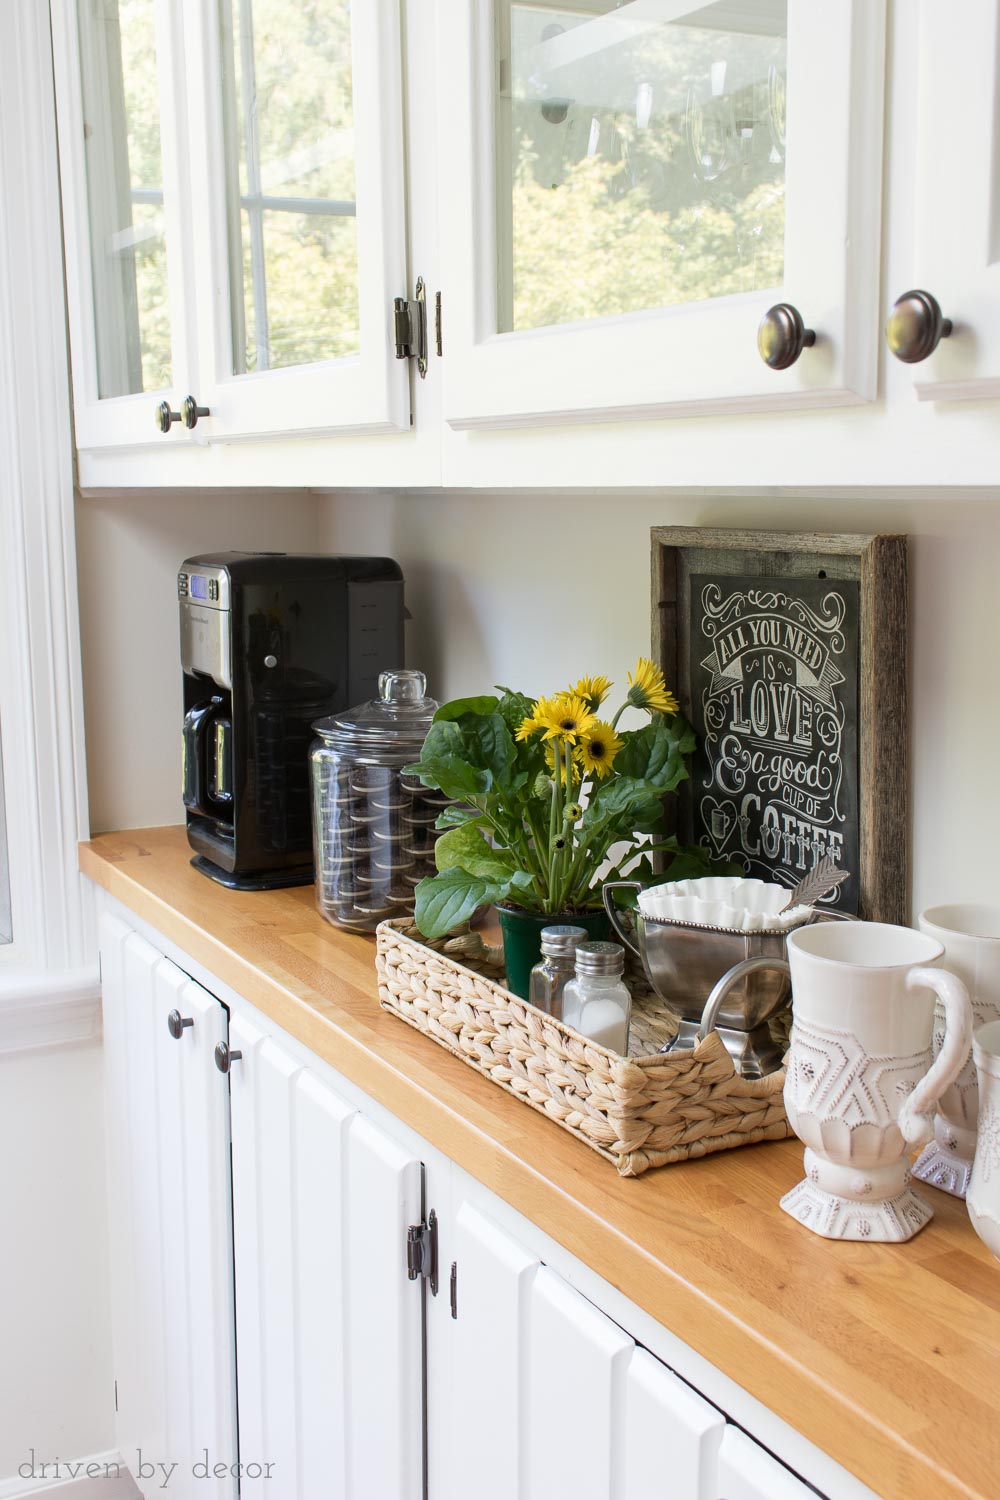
787 652
774 689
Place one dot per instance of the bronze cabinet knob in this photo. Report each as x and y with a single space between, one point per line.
916 327
782 336
191 411
178 1024
165 418
225 1056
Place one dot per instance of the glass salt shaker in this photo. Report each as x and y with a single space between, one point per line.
550 977
596 1003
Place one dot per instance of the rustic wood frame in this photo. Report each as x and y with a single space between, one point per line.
879 564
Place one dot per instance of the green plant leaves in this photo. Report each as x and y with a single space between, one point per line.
457 707
467 848
445 901
656 753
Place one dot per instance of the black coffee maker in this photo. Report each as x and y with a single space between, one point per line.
271 642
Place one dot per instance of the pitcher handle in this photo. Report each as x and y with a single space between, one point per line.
916 1118
612 911
732 976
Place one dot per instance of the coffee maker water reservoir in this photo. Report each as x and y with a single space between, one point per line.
270 642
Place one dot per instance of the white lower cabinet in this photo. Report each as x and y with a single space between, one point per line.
328 1327
299 1278
171 1226
582 1408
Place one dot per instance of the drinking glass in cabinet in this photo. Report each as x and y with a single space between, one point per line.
121 130
640 155
289 122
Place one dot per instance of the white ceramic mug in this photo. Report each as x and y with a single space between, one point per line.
983 1196
861 1082
971 937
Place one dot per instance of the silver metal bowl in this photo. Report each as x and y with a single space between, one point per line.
684 962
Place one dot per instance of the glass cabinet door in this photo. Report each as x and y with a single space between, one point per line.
299 111
115 62
631 186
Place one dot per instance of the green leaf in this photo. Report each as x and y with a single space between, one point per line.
513 708
458 707
449 762
467 849
444 901
656 753
621 798
458 816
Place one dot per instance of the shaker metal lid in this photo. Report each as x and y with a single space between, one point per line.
561 941
399 717
600 958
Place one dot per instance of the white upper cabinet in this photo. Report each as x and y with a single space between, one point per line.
298 114
234 217
626 190
956 253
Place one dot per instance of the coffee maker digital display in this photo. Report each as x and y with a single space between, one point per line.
270 642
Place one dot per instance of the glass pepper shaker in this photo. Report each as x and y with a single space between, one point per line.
596 1002
550 976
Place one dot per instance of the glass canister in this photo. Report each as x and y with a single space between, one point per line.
373 826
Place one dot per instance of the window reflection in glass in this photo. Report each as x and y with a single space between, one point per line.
119 82
640 155
290 151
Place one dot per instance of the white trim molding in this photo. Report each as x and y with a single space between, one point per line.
41 712
49 1010
101 1484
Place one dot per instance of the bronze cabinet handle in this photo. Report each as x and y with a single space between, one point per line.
191 411
177 1024
165 418
782 336
225 1056
916 326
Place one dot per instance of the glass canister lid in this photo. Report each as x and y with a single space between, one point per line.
398 719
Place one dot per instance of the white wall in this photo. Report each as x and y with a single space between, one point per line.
533 590
56 1381
129 548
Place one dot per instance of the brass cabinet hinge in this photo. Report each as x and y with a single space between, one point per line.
410 326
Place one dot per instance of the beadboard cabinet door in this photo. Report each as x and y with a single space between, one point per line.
577 1406
583 1410
329 1328
626 189
171 1226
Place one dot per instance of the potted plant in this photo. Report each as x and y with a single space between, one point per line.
549 795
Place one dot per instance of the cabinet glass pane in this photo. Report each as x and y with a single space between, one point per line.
290 156
640 155
125 194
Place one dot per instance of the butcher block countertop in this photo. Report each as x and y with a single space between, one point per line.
887 1357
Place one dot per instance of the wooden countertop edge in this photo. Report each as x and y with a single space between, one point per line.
827 1415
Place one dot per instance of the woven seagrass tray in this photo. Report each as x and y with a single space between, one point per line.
645 1110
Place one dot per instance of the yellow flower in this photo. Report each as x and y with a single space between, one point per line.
535 720
598 748
566 717
593 691
647 689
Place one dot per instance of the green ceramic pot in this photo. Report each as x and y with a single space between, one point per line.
522 939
